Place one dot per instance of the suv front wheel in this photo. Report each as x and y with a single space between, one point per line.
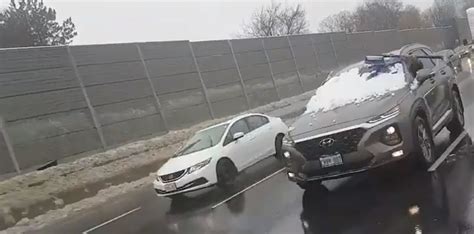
456 126
423 142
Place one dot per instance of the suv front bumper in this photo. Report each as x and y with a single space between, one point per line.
370 153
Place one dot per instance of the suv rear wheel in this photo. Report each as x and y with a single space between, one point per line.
456 125
423 142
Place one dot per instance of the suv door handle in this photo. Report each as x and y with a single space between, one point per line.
443 72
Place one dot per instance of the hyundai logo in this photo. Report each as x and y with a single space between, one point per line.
326 142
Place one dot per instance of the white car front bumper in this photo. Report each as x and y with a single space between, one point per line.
200 179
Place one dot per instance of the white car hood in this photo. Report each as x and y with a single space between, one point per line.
185 161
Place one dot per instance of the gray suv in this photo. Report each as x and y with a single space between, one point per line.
374 112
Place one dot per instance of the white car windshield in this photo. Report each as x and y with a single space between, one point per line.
203 140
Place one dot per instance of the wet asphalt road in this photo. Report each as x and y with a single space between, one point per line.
395 199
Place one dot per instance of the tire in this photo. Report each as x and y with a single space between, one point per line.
424 143
456 126
278 147
309 185
226 173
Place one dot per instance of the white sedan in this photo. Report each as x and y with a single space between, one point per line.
217 154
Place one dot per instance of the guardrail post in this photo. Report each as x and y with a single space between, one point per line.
204 89
334 50
271 69
97 124
159 108
240 74
318 66
8 143
296 65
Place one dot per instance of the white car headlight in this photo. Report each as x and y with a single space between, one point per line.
387 115
199 166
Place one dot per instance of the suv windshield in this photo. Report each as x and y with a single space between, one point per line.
371 80
203 140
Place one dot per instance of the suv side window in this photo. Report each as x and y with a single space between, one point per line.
427 63
239 126
256 121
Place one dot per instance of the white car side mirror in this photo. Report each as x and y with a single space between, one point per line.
238 135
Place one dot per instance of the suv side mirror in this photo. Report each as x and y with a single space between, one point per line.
423 74
238 135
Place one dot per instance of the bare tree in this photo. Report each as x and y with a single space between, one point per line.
276 20
442 12
411 17
375 15
343 21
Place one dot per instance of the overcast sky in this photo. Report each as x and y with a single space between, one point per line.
106 21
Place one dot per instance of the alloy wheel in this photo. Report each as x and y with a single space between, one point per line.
424 139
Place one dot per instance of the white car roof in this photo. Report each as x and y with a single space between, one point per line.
232 120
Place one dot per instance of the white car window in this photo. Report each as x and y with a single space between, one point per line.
239 126
256 121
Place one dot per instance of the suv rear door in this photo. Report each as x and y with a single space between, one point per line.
435 89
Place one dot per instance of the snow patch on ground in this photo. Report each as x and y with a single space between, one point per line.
352 86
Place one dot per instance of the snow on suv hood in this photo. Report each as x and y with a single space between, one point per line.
351 88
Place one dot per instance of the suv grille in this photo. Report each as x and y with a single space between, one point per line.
173 176
342 142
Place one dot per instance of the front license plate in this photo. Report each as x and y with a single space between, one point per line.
170 187
331 161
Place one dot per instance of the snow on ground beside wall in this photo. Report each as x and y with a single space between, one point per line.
351 87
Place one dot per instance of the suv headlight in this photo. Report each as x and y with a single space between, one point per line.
199 166
385 116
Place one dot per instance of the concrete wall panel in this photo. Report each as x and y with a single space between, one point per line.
207 48
256 71
26 82
176 83
173 66
27 106
112 53
279 54
27 59
185 117
225 92
245 45
7 165
259 84
218 78
276 43
111 73
41 151
166 49
283 66
182 99
119 92
229 106
128 110
301 40
262 97
216 63
251 58
126 131
48 126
